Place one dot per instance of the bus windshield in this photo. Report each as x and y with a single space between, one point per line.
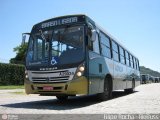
57 46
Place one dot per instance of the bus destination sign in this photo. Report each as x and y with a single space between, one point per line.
59 22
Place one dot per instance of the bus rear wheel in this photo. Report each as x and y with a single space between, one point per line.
62 98
107 94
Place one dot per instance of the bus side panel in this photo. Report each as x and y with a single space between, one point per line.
137 78
133 74
119 81
130 74
107 68
94 74
99 67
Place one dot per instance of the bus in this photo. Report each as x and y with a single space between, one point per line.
152 79
146 78
71 55
156 79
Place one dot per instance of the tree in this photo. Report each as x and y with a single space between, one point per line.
20 54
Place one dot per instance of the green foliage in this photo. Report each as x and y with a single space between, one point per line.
4 87
20 54
11 74
145 70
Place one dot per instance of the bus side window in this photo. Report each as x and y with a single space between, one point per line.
96 45
115 51
135 63
105 45
127 58
122 57
29 56
138 65
131 61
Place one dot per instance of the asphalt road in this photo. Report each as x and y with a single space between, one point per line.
145 100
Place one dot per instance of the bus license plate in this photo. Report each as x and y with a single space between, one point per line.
47 88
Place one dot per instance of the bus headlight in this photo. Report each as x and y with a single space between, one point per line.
80 71
79 74
81 68
26 74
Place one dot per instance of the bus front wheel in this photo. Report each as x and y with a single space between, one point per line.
107 93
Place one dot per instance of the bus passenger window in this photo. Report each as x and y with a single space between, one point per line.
131 61
115 51
105 45
137 64
106 51
127 58
122 58
96 45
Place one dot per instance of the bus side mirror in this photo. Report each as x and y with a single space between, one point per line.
24 37
94 35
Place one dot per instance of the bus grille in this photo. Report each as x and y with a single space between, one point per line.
50 79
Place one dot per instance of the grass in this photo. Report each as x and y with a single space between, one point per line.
18 92
4 87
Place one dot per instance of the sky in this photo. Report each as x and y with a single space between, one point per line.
134 23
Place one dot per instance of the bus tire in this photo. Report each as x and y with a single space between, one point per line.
62 98
131 90
107 93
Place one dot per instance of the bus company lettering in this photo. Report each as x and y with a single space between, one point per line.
59 22
118 68
66 73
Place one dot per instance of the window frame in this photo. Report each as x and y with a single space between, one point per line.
103 44
98 44
121 49
115 50
127 55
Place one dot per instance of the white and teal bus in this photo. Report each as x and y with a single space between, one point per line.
71 55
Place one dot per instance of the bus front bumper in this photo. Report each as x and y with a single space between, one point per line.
76 86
